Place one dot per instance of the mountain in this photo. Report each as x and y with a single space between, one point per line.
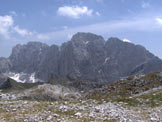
49 63
86 57
25 58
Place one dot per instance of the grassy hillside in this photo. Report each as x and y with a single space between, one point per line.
11 85
133 90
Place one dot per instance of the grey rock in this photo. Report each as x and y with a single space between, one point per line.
55 115
49 118
160 74
78 114
86 57
5 65
25 58
3 78
48 65
82 56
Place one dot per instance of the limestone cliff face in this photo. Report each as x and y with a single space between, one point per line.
5 65
86 56
25 58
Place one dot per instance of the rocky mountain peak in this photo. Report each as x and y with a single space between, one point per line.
116 41
86 56
29 47
86 37
27 57
36 45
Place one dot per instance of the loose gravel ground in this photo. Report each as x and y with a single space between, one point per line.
76 111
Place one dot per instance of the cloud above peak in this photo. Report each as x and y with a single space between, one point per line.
22 32
5 23
159 20
74 11
7 28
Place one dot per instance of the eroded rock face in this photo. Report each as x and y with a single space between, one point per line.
5 65
86 56
48 65
123 57
25 58
82 56
3 78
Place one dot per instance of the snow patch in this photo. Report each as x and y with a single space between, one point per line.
23 77
16 77
32 78
126 40
86 42
107 59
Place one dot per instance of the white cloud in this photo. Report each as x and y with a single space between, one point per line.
74 11
126 40
7 27
144 24
145 4
6 22
97 13
108 28
22 32
159 20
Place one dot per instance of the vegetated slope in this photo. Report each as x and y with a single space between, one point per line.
11 85
135 90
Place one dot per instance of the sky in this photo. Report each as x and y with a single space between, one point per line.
55 21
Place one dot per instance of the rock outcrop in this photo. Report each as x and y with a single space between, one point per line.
26 58
5 65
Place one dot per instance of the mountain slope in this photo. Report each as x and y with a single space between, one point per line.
11 85
26 58
125 89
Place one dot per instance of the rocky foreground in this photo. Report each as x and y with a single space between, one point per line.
133 99
76 111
